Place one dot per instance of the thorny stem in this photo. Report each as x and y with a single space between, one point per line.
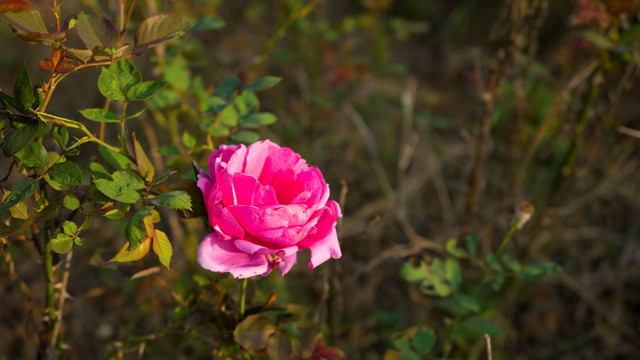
243 297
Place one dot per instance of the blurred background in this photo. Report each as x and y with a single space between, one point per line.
430 120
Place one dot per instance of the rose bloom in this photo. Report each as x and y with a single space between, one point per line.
265 204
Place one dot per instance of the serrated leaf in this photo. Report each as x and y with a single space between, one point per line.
100 115
33 155
246 137
126 255
69 227
144 90
162 247
22 90
246 103
126 73
253 332
27 25
172 199
262 83
128 179
114 214
70 202
145 167
115 159
228 88
259 119
83 55
97 31
19 193
109 86
116 191
135 230
61 134
158 29
219 130
66 173
423 340
62 243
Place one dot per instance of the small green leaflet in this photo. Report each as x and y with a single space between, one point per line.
247 137
116 191
22 90
157 29
145 167
62 243
144 90
66 173
162 247
18 139
125 255
100 115
19 192
172 199
109 86
262 83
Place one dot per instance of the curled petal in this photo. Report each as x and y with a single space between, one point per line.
218 254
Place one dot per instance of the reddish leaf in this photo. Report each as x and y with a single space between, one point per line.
96 31
15 6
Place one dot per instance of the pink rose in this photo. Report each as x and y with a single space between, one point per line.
265 204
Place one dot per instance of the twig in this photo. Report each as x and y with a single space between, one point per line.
488 340
62 289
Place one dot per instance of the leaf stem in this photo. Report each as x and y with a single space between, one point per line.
243 297
506 238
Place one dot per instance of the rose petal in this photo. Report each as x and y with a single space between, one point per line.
257 153
248 191
256 220
287 263
218 254
283 159
324 249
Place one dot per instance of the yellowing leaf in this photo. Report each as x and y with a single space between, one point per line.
162 247
126 255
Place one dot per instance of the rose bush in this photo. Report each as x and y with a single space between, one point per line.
265 204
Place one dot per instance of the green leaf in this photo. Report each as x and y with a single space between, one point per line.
70 202
169 150
172 199
109 86
62 243
157 29
253 332
472 244
100 115
33 155
404 348
219 130
466 302
423 340
247 137
188 140
208 22
279 346
453 273
128 179
19 193
481 326
162 247
144 90
127 74
116 191
114 159
177 74
145 167
262 83
257 120
228 116
599 40
511 263
97 31
69 227
66 173
228 88
18 139
453 249
247 103
126 255
414 274
539 270
28 25
61 134
114 214
22 90
135 230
